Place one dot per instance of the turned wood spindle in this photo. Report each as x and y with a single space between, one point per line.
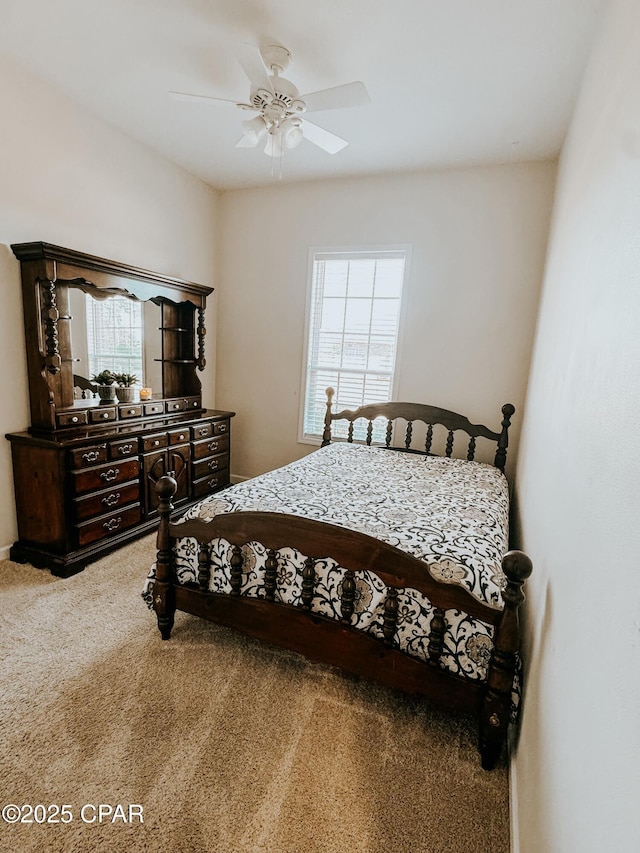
51 315
503 442
436 635
471 452
308 582
408 435
204 566
389 432
236 569
390 618
270 574
348 595
449 448
350 433
164 600
369 432
429 439
326 434
201 361
494 719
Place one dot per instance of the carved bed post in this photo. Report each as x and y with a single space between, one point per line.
503 442
163 592
494 717
326 435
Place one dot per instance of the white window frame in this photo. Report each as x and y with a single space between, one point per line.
349 252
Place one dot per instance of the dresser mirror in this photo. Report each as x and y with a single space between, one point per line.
115 333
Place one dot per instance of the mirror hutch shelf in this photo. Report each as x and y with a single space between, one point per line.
85 470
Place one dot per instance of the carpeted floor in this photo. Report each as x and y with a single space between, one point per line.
228 746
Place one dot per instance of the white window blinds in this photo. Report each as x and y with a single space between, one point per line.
354 316
115 335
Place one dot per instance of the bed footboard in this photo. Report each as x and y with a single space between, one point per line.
335 641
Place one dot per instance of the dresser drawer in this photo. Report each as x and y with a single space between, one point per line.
85 456
108 525
154 442
209 484
179 436
202 431
108 501
68 419
221 428
120 449
105 476
175 405
131 410
209 466
101 414
154 408
193 403
209 446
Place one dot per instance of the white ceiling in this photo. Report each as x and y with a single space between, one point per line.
452 82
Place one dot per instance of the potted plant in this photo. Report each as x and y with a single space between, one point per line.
104 381
125 390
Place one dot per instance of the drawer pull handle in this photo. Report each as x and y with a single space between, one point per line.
213 465
112 499
111 474
195 404
213 482
181 437
74 419
126 448
213 445
91 456
175 406
131 411
156 442
222 427
112 524
203 431
105 415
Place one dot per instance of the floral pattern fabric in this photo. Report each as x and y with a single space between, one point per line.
451 514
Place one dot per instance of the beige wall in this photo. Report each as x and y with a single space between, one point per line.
578 761
68 179
478 241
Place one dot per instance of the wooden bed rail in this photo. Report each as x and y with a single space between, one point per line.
429 415
397 570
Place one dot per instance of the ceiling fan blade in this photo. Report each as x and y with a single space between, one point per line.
253 66
347 95
199 99
324 139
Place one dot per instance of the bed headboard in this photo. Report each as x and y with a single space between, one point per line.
431 416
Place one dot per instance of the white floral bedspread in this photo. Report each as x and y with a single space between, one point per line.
450 513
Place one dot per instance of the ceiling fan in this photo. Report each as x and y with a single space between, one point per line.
280 107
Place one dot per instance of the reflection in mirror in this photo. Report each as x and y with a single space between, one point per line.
116 333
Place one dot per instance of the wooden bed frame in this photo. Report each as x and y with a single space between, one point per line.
335 642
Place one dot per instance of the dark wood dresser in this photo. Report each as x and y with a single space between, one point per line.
85 471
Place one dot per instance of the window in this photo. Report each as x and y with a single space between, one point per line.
114 335
353 322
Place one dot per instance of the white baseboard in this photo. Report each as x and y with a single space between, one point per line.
236 478
514 830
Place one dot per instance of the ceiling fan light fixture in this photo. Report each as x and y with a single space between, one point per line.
274 146
254 129
292 133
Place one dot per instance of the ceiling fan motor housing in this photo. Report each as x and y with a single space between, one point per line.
284 96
